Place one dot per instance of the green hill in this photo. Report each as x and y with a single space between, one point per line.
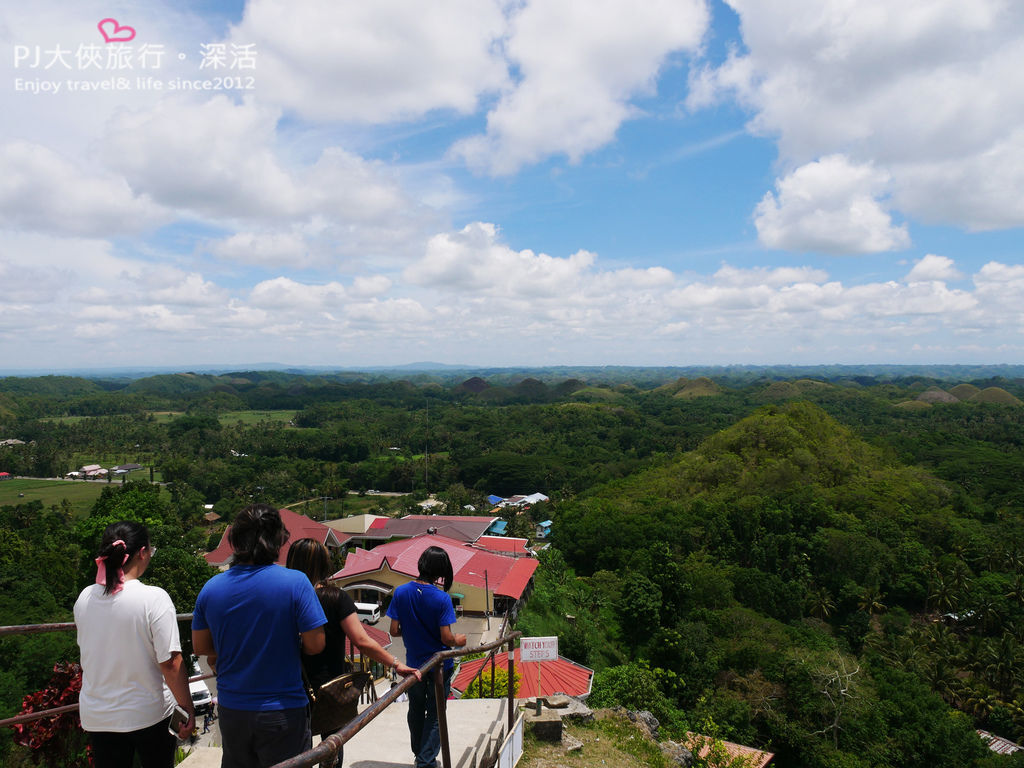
964 391
784 560
702 387
50 386
996 395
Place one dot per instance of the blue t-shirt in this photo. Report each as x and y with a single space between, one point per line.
255 614
422 609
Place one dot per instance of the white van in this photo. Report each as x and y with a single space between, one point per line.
368 613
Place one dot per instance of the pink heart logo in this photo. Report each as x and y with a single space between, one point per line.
117 33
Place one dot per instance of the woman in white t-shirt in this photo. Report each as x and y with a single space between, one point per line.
132 668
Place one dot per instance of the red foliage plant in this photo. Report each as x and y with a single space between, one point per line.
58 740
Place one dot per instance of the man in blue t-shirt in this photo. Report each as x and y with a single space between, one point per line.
251 622
422 615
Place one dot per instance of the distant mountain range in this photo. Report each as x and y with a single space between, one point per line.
611 372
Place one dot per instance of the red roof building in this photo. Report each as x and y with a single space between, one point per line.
299 527
503 577
383 639
503 544
560 676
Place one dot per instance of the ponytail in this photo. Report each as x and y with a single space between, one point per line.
120 543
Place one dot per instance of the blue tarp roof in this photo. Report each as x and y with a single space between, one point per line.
495 499
498 527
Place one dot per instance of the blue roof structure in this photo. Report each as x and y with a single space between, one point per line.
498 527
495 499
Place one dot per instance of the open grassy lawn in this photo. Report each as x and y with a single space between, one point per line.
254 417
80 493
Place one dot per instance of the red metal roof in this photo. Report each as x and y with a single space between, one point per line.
505 575
517 579
502 544
561 676
754 758
459 527
383 639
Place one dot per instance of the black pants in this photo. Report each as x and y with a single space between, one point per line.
154 746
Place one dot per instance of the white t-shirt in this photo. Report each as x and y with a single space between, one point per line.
123 638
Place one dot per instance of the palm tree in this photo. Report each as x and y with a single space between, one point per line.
870 600
943 596
980 702
820 603
1003 660
943 680
961 576
987 615
1016 592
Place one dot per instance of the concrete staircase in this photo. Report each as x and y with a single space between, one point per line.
476 728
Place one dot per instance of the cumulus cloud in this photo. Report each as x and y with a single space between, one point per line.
42 191
268 249
579 65
375 62
472 297
213 157
474 260
219 160
829 206
925 90
932 267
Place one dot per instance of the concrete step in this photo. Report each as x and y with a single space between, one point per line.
476 728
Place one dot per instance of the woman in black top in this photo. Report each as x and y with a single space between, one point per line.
311 557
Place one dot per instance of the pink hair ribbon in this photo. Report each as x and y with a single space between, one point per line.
101 570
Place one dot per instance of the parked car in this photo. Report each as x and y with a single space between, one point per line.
368 613
201 698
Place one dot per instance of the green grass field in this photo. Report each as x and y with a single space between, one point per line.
229 417
254 417
81 494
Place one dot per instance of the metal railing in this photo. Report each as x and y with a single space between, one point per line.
326 750
38 629
329 747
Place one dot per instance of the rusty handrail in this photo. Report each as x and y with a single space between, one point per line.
328 748
36 629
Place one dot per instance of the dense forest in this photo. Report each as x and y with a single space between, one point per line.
828 563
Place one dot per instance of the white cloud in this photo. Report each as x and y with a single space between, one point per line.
579 65
375 61
220 160
267 249
473 298
473 260
42 191
924 90
284 293
774 276
830 206
212 158
932 267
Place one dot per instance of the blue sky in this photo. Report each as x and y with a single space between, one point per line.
489 182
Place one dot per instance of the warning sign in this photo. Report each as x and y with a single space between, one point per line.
539 649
